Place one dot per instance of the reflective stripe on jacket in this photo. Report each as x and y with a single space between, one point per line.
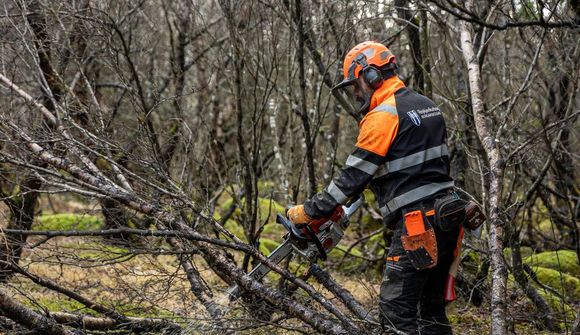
401 152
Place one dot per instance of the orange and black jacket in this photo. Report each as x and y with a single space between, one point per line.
401 152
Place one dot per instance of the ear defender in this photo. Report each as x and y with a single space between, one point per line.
371 75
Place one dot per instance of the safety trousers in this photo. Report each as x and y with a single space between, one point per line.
412 301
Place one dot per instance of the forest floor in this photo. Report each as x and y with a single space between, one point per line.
146 281
154 286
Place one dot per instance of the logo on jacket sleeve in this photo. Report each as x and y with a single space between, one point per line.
415 118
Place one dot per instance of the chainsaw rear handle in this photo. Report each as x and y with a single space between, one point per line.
316 240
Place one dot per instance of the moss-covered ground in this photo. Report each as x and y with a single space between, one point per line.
147 281
154 286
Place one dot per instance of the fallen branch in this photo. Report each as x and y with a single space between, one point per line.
291 307
63 290
166 219
25 316
190 235
341 293
94 323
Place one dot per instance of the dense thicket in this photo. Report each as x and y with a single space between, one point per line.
180 128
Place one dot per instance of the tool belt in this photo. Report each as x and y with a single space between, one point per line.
418 239
449 211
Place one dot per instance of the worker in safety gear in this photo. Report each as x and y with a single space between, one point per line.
401 153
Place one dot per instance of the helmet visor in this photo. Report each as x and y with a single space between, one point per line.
349 80
349 87
354 92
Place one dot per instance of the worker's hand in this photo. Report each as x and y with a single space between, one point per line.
297 216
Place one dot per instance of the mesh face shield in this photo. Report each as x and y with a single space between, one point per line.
350 85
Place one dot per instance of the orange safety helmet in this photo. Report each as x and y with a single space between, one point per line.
366 57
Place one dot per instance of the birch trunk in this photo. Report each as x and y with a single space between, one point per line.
495 165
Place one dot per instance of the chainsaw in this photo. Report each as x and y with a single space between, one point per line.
313 241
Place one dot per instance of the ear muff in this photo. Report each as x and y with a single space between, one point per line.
371 75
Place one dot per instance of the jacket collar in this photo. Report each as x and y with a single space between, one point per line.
387 89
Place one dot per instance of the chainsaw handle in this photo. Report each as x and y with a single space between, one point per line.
297 234
313 237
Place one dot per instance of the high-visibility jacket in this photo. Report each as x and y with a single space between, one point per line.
401 152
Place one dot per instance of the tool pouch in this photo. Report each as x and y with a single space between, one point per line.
475 216
419 240
449 211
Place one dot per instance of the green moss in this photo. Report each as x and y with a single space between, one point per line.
174 128
67 221
235 228
368 223
69 305
225 207
276 208
562 260
268 214
216 215
369 196
565 284
97 252
558 306
471 262
60 304
377 238
267 245
226 204
526 251
467 319
350 263
547 228
453 319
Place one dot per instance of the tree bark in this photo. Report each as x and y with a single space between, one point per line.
198 288
29 318
22 206
310 44
21 217
426 64
90 322
495 164
309 139
274 297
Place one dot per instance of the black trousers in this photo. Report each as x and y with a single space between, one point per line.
412 301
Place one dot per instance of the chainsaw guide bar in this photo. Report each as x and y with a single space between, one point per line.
312 242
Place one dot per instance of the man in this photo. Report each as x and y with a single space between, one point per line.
401 153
